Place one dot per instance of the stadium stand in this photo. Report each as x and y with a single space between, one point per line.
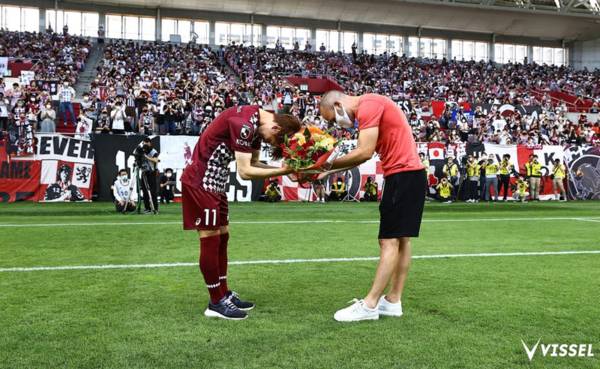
185 85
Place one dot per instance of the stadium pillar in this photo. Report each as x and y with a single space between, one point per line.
263 34
359 42
102 21
42 26
339 33
529 54
313 39
211 33
405 45
251 30
56 17
492 49
450 52
157 26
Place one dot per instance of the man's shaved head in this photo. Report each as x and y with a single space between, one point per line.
334 100
329 98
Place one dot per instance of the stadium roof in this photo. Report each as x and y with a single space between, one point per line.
544 19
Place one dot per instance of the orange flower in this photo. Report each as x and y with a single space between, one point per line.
315 130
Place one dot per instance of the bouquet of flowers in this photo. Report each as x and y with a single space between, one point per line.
308 149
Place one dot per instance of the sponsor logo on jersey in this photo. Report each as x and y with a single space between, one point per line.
242 143
245 132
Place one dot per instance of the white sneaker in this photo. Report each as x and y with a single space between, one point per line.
356 312
389 309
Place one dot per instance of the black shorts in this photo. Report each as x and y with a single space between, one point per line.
402 203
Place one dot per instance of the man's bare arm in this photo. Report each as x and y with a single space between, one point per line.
249 171
257 163
367 141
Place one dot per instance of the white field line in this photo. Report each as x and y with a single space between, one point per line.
307 221
290 261
589 220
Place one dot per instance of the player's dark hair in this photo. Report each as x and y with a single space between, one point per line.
289 126
63 168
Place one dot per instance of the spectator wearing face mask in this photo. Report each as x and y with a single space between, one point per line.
167 186
559 172
101 34
444 191
450 171
103 122
124 193
491 179
535 176
506 169
86 103
338 190
522 187
117 117
473 170
4 108
66 94
84 125
272 192
370 190
319 188
147 121
130 109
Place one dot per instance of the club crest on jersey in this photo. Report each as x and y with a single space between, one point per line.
245 132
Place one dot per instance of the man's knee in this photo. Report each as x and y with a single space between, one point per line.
203 233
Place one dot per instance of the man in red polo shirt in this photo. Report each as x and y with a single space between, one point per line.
383 128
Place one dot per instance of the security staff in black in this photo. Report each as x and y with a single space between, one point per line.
506 169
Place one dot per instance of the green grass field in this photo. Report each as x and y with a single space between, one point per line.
460 312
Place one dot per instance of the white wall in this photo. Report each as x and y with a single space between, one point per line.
585 54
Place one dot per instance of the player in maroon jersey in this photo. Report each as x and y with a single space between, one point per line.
235 134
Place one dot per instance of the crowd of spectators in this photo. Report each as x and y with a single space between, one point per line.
161 88
55 56
34 104
166 88
472 92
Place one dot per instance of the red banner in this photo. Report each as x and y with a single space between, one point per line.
19 180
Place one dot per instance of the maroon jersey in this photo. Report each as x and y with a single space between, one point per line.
235 129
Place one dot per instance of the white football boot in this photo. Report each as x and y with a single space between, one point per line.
389 309
356 312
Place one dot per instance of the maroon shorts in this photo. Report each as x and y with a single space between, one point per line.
203 210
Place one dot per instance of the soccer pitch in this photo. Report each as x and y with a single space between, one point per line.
137 296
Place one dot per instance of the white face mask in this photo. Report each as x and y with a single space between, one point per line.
124 177
343 120
168 175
